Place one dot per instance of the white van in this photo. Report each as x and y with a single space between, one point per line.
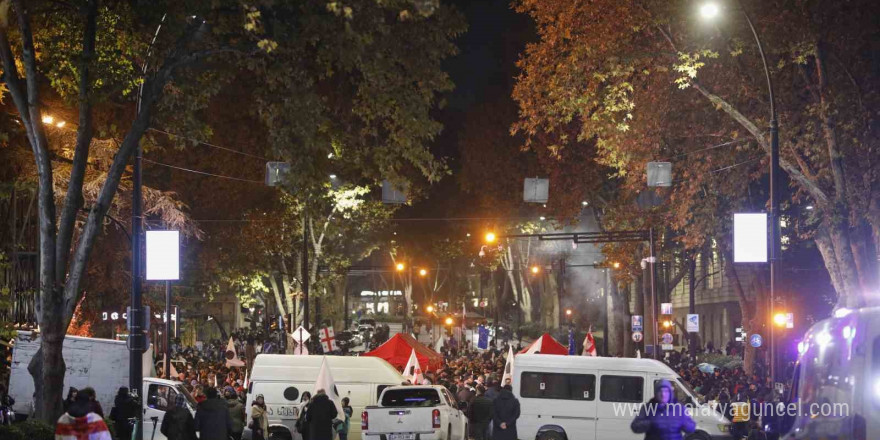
282 379
596 398
836 387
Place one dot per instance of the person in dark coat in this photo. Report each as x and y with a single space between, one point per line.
505 411
178 423
71 397
480 415
663 418
320 417
212 417
124 408
94 405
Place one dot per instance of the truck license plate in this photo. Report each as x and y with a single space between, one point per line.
284 411
401 437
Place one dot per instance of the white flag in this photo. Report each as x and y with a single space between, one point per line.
508 367
413 371
325 382
173 375
232 359
438 346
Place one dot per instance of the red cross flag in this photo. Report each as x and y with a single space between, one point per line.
328 339
589 344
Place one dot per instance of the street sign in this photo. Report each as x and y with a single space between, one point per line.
740 334
659 174
666 338
536 190
750 238
637 323
637 336
756 340
693 323
300 335
667 347
665 308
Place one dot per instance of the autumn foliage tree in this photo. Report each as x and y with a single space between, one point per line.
648 81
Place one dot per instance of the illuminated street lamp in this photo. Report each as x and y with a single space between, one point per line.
780 319
616 265
491 237
667 324
423 272
429 309
449 321
709 10
535 270
400 267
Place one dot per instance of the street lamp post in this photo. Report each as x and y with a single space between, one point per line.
709 11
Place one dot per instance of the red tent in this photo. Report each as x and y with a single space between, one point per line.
398 349
545 345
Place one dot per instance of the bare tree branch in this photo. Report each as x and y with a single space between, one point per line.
74 199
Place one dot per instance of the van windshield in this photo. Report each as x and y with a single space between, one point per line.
411 397
189 398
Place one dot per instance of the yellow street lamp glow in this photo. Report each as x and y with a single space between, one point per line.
449 321
422 272
61 124
400 267
430 309
535 269
667 324
780 319
48 119
709 10
616 265
568 312
490 237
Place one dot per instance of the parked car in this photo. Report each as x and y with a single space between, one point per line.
415 413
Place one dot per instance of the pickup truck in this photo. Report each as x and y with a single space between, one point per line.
415 413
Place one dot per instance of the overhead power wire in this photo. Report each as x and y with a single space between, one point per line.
203 173
711 147
208 144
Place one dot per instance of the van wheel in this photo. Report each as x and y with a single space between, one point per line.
550 435
699 435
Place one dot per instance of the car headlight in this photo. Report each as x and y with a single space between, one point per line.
724 428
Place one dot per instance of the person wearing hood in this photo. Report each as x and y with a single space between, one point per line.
178 423
80 422
320 415
236 412
124 409
505 411
212 417
663 417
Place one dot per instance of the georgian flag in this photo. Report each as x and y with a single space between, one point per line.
328 339
589 344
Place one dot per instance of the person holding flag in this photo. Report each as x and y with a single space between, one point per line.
507 378
324 407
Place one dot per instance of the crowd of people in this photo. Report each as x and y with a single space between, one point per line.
474 376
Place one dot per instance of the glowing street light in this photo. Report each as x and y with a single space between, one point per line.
616 265
48 119
709 11
780 319
423 272
568 312
400 267
449 321
535 270
490 237
429 309
667 324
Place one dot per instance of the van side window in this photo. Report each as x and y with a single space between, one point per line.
558 386
622 388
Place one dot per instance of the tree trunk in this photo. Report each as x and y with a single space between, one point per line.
550 303
745 306
616 317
